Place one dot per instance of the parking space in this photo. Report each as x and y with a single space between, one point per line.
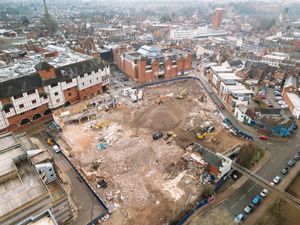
271 98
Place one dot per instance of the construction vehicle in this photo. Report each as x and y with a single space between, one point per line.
50 141
182 94
202 135
101 125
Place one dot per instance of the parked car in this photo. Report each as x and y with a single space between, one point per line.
263 138
291 163
276 179
296 156
157 135
285 171
56 148
256 200
239 218
248 209
264 193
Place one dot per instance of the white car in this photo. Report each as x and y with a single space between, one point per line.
264 193
56 148
276 180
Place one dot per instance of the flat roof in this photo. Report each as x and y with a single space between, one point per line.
229 76
25 65
275 57
238 89
220 69
295 99
16 191
21 190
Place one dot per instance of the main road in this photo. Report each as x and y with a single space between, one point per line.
281 152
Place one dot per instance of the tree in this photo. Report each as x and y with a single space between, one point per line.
249 154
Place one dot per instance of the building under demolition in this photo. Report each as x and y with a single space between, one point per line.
29 190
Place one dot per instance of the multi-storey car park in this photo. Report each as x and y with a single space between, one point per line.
45 79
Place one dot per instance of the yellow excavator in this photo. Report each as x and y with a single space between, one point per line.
202 135
101 125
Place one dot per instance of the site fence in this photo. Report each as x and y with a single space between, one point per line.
169 81
189 213
86 183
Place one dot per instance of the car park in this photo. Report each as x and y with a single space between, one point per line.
291 163
264 193
239 218
276 179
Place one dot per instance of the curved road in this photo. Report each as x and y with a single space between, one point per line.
281 152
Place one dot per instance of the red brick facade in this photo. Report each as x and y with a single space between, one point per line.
90 92
140 72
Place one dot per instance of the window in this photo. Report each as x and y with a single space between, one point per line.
68 81
54 85
55 93
70 94
83 83
7 110
97 78
89 73
81 75
18 96
57 100
52 175
21 106
96 71
50 169
90 81
30 92
33 101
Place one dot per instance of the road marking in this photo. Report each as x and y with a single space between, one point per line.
251 188
233 205
243 197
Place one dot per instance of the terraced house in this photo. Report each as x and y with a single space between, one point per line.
53 77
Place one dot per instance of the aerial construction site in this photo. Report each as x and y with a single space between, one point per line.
137 156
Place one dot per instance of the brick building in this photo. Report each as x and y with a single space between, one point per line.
28 95
151 64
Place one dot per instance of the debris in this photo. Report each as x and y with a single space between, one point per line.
182 94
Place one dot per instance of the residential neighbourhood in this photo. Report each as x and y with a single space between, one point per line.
149 112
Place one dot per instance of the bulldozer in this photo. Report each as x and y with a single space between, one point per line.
182 94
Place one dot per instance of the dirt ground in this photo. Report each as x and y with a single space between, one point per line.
147 180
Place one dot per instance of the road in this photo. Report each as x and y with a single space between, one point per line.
281 152
81 196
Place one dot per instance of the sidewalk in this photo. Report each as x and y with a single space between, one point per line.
249 129
265 205
220 198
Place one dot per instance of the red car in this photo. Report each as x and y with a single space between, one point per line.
222 106
263 138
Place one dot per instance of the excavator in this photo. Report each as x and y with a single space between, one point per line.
101 125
